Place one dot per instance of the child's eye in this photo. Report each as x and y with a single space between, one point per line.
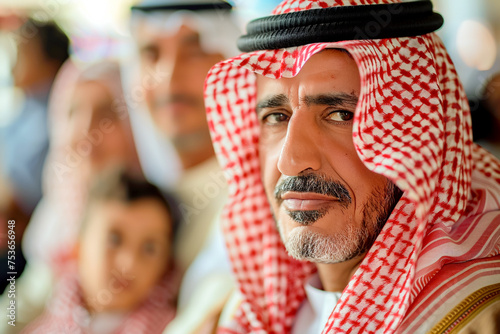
149 247
114 239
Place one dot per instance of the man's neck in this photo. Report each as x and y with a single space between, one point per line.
335 277
192 158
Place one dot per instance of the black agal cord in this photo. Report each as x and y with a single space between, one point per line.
340 23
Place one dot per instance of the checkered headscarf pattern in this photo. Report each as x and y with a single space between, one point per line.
412 125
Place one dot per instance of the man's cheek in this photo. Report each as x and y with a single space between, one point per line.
267 178
262 163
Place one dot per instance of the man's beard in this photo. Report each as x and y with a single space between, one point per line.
353 240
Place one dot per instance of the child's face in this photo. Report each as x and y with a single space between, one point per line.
124 251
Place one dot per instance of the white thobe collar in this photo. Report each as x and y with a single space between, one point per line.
315 310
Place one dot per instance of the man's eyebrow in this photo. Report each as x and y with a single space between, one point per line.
191 38
274 101
332 99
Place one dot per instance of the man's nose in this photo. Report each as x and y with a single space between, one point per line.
172 67
82 124
300 148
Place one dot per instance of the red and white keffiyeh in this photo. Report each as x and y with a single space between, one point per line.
66 313
412 125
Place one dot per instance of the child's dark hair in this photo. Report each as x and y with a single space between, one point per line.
120 186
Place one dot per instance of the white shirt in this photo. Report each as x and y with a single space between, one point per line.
314 312
202 191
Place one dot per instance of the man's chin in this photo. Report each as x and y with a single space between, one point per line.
308 243
299 242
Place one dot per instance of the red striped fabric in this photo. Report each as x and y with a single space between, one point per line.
412 125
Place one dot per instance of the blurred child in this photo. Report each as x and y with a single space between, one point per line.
123 279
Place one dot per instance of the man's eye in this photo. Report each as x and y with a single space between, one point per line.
275 118
341 116
114 239
149 56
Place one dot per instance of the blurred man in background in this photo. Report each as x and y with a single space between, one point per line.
177 43
41 50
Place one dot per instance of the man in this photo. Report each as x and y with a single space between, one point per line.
42 47
177 43
358 203
41 50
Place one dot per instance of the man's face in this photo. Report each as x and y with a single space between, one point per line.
124 251
32 65
173 70
328 206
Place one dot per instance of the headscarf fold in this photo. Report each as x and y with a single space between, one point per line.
412 125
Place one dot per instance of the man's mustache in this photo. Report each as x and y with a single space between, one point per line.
313 183
166 100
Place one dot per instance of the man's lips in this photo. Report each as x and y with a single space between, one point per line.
295 201
176 108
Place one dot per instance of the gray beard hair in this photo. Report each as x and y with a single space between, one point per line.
351 241
303 244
